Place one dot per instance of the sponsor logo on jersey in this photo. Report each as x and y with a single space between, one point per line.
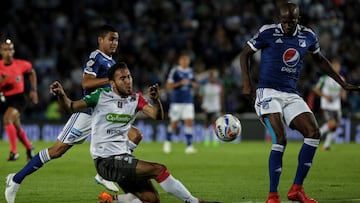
291 57
112 131
118 118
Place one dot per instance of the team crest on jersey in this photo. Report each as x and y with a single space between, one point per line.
302 43
291 57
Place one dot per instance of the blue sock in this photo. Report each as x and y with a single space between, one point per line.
275 166
34 164
168 136
188 139
305 159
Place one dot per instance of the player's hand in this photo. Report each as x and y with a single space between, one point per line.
56 89
34 97
249 93
154 92
350 87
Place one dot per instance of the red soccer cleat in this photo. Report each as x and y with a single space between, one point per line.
296 193
273 198
105 197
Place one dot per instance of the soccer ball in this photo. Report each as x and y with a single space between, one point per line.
227 127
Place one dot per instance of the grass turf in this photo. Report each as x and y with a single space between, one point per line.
231 172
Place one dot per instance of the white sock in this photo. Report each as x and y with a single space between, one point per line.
329 138
176 188
324 129
127 198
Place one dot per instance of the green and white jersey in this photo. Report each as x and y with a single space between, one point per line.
330 87
112 118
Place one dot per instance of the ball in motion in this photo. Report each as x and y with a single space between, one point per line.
227 127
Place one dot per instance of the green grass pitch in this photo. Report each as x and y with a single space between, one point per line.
230 173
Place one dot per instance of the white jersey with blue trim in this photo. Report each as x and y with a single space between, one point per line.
183 93
98 65
282 56
111 120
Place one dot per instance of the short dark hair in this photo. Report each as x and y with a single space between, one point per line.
115 67
104 29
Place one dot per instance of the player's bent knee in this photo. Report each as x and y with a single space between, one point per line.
57 151
314 134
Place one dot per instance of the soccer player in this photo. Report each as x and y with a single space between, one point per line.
77 129
212 96
180 83
331 94
283 47
14 102
114 111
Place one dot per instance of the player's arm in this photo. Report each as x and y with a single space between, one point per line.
33 83
154 110
326 66
245 55
67 104
90 81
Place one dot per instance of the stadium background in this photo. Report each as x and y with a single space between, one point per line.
57 37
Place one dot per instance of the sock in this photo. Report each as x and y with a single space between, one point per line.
126 198
305 159
324 129
169 133
11 134
24 139
188 135
328 139
175 187
275 166
34 164
132 146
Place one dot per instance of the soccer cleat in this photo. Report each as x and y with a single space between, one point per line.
167 147
296 193
325 148
190 150
273 198
107 184
11 188
13 156
105 197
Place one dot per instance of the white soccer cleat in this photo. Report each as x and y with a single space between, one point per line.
167 147
190 150
107 184
11 188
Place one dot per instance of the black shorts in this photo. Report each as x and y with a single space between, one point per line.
329 115
119 168
17 101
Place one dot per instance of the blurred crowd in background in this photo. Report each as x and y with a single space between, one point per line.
57 36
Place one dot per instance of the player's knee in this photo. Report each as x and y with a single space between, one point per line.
154 198
332 125
314 134
57 151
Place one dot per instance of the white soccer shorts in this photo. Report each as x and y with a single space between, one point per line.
273 101
77 129
181 111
